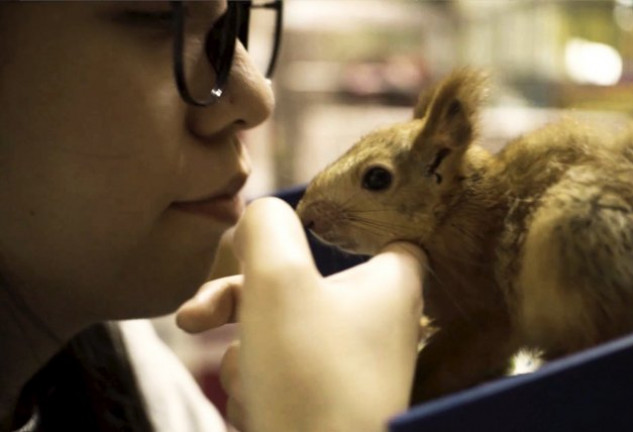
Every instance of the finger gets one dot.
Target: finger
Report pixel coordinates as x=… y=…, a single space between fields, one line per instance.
x=271 y=242
x=399 y=268
x=399 y=265
x=402 y=258
x=235 y=414
x=214 y=305
x=229 y=372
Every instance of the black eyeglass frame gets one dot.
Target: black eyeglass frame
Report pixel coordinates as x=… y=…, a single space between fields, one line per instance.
x=220 y=43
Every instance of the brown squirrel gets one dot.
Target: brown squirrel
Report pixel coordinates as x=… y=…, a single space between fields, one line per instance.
x=529 y=248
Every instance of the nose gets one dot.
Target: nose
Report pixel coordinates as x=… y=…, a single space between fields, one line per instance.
x=247 y=100
x=318 y=216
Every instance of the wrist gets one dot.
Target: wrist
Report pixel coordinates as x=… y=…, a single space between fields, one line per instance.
x=368 y=412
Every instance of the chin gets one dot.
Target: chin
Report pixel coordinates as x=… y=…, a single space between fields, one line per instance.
x=159 y=288
x=159 y=299
x=365 y=250
x=363 y=245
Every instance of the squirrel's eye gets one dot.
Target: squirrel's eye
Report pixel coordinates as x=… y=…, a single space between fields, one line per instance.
x=377 y=179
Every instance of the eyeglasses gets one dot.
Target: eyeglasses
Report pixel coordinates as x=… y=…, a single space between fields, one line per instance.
x=240 y=17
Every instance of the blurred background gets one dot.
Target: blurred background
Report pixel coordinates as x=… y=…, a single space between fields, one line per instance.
x=347 y=67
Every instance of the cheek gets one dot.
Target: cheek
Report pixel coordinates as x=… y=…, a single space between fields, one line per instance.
x=114 y=252
x=78 y=226
x=370 y=241
x=89 y=217
x=86 y=182
x=83 y=204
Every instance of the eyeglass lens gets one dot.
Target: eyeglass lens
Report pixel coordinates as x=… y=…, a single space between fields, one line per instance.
x=206 y=64
x=263 y=36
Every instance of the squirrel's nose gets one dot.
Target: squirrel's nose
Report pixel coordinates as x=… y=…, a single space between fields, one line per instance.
x=316 y=216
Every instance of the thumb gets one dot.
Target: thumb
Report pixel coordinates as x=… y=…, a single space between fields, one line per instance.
x=270 y=241
x=404 y=257
x=399 y=265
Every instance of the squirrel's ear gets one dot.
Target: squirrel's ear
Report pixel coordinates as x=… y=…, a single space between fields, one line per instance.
x=424 y=100
x=449 y=115
x=450 y=111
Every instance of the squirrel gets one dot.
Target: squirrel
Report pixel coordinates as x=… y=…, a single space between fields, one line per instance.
x=528 y=248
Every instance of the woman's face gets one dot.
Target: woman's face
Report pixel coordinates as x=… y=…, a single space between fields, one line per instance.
x=100 y=160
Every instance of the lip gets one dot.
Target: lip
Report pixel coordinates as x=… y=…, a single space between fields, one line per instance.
x=225 y=205
x=226 y=208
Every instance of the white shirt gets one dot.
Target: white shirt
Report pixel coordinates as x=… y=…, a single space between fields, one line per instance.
x=173 y=398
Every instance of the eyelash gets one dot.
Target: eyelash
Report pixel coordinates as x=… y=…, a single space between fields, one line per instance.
x=159 y=18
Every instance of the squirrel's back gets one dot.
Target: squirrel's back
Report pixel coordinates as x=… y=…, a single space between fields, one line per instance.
x=533 y=162
x=565 y=250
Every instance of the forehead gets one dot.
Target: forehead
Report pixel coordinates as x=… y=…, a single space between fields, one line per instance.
x=391 y=139
x=70 y=9
x=380 y=145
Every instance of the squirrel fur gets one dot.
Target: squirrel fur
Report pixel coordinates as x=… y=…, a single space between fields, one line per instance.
x=531 y=247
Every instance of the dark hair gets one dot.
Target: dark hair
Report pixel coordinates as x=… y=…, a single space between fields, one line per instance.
x=88 y=386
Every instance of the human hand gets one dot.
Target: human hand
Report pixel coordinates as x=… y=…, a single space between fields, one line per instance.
x=316 y=354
